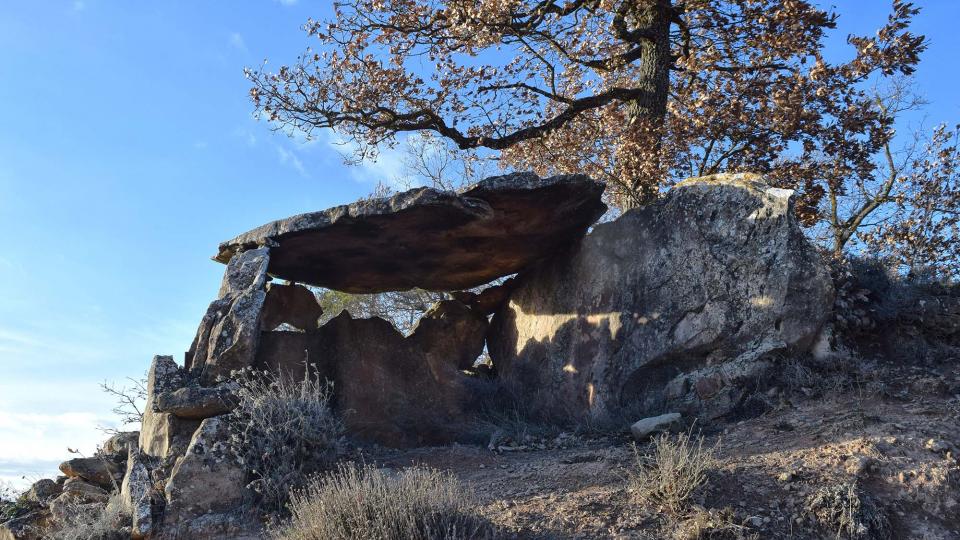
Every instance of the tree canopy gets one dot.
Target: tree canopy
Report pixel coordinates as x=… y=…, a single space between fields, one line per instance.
x=637 y=93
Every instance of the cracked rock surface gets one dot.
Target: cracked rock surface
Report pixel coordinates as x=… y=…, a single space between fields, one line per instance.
x=427 y=238
x=670 y=307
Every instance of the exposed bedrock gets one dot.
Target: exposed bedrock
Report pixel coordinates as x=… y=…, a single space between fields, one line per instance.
x=672 y=306
x=429 y=239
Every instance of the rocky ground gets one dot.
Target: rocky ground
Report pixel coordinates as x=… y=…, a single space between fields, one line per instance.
x=892 y=431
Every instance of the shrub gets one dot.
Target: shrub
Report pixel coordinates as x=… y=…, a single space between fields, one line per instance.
x=282 y=431
x=14 y=503
x=842 y=509
x=675 y=469
x=358 y=503
x=9 y=502
x=913 y=317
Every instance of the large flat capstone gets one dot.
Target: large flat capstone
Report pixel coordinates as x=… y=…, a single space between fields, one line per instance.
x=427 y=238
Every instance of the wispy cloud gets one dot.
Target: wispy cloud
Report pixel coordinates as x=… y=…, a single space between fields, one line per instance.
x=289 y=157
x=66 y=344
x=79 y=5
x=37 y=348
x=49 y=367
x=236 y=41
x=287 y=2
x=388 y=167
x=247 y=136
x=33 y=444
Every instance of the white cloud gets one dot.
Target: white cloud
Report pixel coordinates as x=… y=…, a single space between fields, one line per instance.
x=33 y=444
x=236 y=41
x=38 y=348
x=288 y=157
x=79 y=5
x=27 y=437
x=388 y=167
x=287 y=2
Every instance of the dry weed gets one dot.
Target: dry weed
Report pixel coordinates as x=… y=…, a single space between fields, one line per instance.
x=359 y=503
x=282 y=431
x=711 y=524
x=675 y=469
x=93 y=521
x=843 y=509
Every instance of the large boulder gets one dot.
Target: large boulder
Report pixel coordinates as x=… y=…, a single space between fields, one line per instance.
x=162 y=434
x=30 y=526
x=101 y=472
x=118 y=444
x=673 y=306
x=198 y=402
x=207 y=485
x=227 y=337
x=396 y=390
x=78 y=489
x=430 y=239
x=43 y=490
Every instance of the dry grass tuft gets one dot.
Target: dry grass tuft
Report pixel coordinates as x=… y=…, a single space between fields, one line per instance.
x=674 y=470
x=94 y=521
x=841 y=508
x=283 y=431
x=711 y=524
x=358 y=503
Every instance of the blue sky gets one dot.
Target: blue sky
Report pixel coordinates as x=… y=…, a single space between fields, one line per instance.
x=128 y=151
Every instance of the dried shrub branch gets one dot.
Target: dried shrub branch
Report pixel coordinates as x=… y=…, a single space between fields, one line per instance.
x=675 y=469
x=282 y=431
x=361 y=502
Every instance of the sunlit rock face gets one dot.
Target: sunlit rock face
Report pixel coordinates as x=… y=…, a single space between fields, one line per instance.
x=675 y=305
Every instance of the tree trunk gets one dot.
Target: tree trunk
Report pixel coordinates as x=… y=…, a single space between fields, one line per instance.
x=648 y=114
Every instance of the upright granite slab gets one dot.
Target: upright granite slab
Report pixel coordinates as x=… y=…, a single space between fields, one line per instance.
x=675 y=306
x=228 y=334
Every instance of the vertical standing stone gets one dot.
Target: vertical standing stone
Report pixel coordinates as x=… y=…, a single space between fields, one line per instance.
x=135 y=494
x=163 y=435
x=228 y=334
x=672 y=306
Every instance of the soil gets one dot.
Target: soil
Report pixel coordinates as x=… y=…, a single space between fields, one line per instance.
x=892 y=431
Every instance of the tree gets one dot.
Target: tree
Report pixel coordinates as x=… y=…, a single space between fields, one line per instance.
x=589 y=81
x=638 y=93
x=401 y=308
x=921 y=234
x=130 y=402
